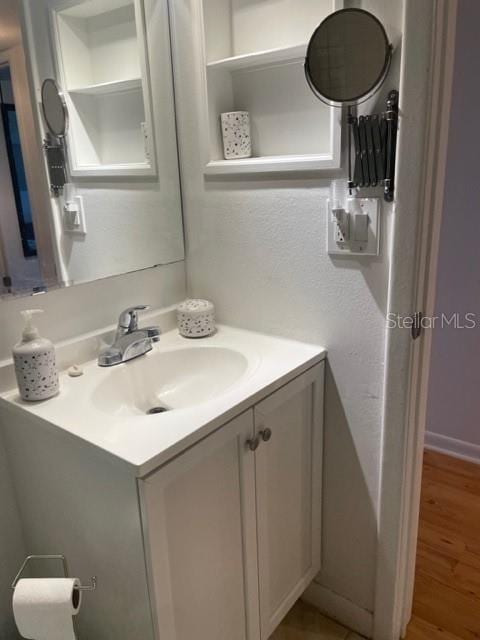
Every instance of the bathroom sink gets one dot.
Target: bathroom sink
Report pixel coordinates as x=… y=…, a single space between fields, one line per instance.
x=170 y=379
x=192 y=386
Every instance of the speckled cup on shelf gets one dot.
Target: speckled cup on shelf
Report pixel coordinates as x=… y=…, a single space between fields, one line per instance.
x=196 y=318
x=237 y=141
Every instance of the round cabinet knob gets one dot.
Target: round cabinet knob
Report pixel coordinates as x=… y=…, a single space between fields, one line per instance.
x=253 y=443
x=266 y=434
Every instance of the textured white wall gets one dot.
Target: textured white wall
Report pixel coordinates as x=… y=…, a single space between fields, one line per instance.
x=259 y=253
x=257 y=247
x=454 y=401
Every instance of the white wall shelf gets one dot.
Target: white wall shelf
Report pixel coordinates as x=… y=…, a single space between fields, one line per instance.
x=262 y=58
x=102 y=65
x=117 y=86
x=266 y=164
x=248 y=66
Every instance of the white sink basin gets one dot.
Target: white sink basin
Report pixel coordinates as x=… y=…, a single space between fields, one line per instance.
x=175 y=379
x=203 y=384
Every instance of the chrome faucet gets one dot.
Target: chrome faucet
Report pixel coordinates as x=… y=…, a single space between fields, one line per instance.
x=130 y=341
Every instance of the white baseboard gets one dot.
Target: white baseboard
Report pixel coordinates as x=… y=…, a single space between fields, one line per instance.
x=340 y=609
x=452 y=447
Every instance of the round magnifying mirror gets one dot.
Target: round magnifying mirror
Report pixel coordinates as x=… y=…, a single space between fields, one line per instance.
x=54 y=109
x=348 y=57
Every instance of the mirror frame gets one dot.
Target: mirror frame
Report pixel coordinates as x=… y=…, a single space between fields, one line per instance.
x=331 y=102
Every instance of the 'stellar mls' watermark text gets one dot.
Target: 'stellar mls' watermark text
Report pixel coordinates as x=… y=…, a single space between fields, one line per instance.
x=442 y=321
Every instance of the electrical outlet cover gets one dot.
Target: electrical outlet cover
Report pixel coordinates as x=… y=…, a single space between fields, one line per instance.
x=362 y=206
x=74 y=217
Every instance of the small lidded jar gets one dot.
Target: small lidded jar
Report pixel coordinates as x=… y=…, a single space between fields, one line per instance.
x=196 y=318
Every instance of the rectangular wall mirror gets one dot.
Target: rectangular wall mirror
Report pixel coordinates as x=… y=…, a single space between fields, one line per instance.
x=120 y=210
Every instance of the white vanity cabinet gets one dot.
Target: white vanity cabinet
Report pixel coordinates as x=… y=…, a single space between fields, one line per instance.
x=232 y=525
x=199 y=522
x=200 y=528
x=288 y=494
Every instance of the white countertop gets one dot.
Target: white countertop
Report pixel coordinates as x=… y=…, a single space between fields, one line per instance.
x=144 y=442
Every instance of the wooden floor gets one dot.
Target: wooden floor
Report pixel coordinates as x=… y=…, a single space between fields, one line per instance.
x=447 y=586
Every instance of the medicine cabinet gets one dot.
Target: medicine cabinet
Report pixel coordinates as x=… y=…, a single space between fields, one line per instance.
x=253 y=52
x=102 y=63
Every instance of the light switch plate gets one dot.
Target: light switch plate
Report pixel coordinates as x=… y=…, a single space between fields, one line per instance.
x=360 y=206
x=74 y=216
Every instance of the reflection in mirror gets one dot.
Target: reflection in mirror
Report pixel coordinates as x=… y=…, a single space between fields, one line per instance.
x=120 y=209
x=54 y=108
x=348 y=57
x=19 y=264
x=56 y=118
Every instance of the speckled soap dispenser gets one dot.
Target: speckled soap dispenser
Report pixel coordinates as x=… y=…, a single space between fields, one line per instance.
x=35 y=363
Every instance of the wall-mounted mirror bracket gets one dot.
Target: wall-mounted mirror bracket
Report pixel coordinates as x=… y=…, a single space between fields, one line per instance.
x=56 y=163
x=55 y=114
x=374 y=144
x=348 y=59
x=392 y=126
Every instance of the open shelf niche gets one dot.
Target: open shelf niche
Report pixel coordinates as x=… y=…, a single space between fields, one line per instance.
x=254 y=53
x=101 y=55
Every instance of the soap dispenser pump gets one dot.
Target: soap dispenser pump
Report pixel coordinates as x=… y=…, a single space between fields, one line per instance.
x=35 y=362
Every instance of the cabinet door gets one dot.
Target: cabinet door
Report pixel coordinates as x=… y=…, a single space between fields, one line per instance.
x=200 y=534
x=288 y=484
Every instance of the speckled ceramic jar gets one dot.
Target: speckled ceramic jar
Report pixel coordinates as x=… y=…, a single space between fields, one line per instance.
x=236 y=135
x=196 y=318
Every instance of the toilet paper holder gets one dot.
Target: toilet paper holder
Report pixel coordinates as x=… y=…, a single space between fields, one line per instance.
x=90 y=587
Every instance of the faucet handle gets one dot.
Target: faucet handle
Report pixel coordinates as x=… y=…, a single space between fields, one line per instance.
x=128 y=319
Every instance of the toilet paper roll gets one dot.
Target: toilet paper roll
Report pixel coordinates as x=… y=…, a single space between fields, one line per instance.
x=43 y=607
